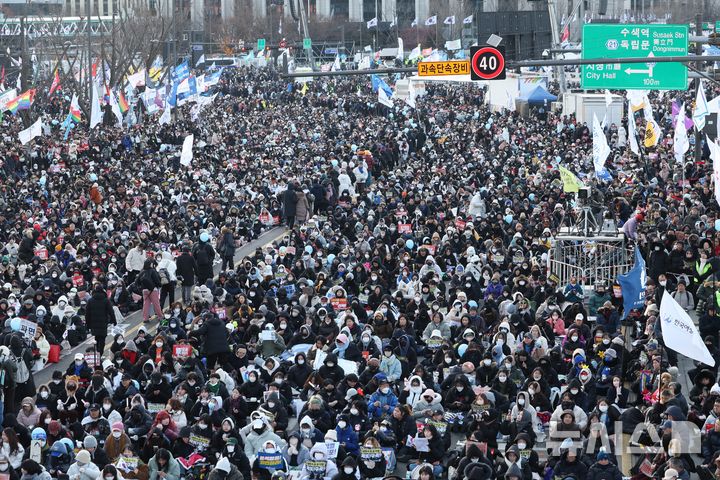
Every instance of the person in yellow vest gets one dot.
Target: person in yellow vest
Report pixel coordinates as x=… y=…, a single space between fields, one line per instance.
x=702 y=272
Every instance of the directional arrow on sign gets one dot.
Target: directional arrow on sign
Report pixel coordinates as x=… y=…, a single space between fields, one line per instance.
x=649 y=70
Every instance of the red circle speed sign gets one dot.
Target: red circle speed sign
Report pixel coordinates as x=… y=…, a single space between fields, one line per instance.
x=487 y=63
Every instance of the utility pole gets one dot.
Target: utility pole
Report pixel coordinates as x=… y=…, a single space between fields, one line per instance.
x=88 y=11
x=175 y=33
x=555 y=31
x=24 y=83
x=698 y=51
x=306 y=32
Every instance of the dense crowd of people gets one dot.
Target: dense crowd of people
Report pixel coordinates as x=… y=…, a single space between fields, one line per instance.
x=405 y=319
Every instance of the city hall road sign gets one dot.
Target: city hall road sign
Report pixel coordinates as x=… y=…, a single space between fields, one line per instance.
x=626 y=41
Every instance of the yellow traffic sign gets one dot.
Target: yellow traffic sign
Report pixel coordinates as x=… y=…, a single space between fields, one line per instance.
x=452 y=67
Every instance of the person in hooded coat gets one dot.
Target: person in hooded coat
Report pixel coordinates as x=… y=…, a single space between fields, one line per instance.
x=289 y=202
x=98 y=315
x=472 y=456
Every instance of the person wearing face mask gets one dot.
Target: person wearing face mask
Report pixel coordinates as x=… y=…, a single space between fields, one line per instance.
x=277 y=407
x=98 y=455
x=319 y=466
x=232 y=451
x=258 y=436
x=331 y=370
x=383 y=401
x=295 y=453
x=390 y=365
x=83 y=468
x=567 y=403
x=29 y=413
x=348 y=470
x=99 y=315
x=347 y=436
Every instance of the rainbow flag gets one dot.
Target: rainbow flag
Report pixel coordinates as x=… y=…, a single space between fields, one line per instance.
x=75 y=112
x=122 y=101
x=22 y=102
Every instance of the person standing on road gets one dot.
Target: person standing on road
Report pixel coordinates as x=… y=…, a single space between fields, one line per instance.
x=186 y=269
x=149 y=281
x=204 y=255
x=98 y=315
x=289 y=201
x=167 y=270
x=215 y=339
x=226 y=247
x=134 y=261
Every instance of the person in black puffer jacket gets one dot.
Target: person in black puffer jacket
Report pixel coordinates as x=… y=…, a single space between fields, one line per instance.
x=215 y=339
x=98 y=315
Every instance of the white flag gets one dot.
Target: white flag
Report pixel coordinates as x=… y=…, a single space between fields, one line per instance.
x=415 y=53
x=115 y=107
x=34 y=130
x=184 y=86
x=187 y=153
x=468 y=20
x=384 y=99
x=201 y=61
x=715 y=156
x=137 y=78
x=608 y=98
x=680 y=139
x=453 y=44
x=431 y=21
x=414 y=23
x=372 y=23
x=401 y=49
x=601 y=149
x=680 y=333
x=632 y=133
x=412 y=94
x=701 y=109
x=95 y=110
x=336 y=64
x=165 y=117
x=450 y=20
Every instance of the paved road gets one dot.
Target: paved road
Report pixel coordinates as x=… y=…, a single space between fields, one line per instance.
x=134 y=320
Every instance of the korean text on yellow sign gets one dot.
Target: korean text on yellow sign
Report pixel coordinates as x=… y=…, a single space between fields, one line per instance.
x=453 y=67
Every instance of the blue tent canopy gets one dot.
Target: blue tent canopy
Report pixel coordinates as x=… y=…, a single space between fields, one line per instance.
x=539 y=95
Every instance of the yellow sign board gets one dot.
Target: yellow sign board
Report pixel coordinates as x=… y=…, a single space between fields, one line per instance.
x=452 y=67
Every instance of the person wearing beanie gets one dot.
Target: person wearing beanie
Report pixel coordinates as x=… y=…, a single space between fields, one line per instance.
x=225 y=470
x=603 y=468
x=83 y=468
x=98 y=455
x=117 y=441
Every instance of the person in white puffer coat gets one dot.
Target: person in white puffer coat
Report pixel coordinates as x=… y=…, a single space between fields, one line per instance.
x=345 y=183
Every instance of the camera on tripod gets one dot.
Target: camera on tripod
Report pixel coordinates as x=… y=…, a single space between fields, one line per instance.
x=583 y=195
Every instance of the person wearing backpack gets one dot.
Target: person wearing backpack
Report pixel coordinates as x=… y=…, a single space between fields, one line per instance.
x=98 y=315
x=149 y=282
x=167 y=270
x=204 y=255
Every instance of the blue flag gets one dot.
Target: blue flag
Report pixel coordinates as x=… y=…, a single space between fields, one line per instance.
x=182 y=71
x=378 y=82
x=632 y=284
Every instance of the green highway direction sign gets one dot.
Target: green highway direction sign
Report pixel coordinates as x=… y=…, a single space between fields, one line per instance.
x=627 y=41
x=261 y=44
x=307 y=43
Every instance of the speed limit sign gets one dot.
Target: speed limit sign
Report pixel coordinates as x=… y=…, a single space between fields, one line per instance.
x=487 y=63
